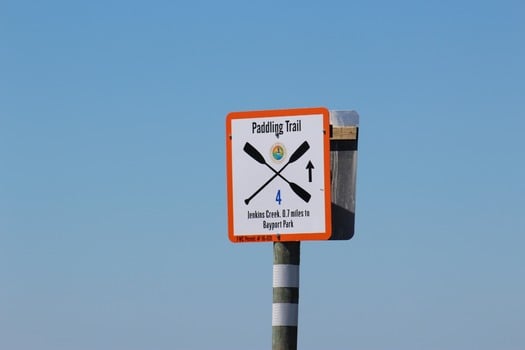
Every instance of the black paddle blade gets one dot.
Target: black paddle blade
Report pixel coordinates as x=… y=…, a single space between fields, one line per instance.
x=255 y=154
x=305 y=196
x=299 y=152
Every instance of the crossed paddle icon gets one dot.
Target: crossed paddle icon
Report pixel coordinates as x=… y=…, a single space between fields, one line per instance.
x=298 y=190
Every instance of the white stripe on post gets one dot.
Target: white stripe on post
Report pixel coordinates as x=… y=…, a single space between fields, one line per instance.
x=285 y=275
x=284 y=314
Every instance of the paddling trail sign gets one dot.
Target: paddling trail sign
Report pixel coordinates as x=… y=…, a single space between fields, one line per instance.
x=278 y=175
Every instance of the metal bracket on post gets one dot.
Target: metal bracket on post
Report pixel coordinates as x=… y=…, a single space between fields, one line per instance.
x=344 y=133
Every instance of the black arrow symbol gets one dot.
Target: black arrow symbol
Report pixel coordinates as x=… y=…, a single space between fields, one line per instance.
x=310 y=166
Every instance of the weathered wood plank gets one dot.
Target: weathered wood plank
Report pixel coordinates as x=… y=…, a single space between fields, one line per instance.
x=344 y=133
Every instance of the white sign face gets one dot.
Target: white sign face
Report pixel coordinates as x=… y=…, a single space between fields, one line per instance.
x=278 y=175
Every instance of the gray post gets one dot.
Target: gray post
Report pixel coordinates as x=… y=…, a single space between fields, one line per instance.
x=343 y=166
x=286 y=258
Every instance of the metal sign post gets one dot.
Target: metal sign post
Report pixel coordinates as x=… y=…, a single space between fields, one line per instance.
x=291 y=176
x=285 y=307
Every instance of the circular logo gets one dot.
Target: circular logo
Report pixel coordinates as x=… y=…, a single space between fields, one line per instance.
x=278 y=152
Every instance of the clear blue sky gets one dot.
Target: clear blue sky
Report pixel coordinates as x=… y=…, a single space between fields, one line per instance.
x=112 y=173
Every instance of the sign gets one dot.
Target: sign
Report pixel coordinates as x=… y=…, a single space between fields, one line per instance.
x=278 y=175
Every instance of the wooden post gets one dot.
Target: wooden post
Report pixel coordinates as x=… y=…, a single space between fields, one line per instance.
x=286 y=255
x=286 y=259
x=343 y=165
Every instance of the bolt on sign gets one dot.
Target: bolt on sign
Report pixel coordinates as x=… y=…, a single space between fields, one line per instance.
x=278 y=175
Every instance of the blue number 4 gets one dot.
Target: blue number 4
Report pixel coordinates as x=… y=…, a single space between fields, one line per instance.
x=278 y=197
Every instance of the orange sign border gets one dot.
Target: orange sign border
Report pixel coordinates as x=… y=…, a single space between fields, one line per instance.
x=285 y=237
